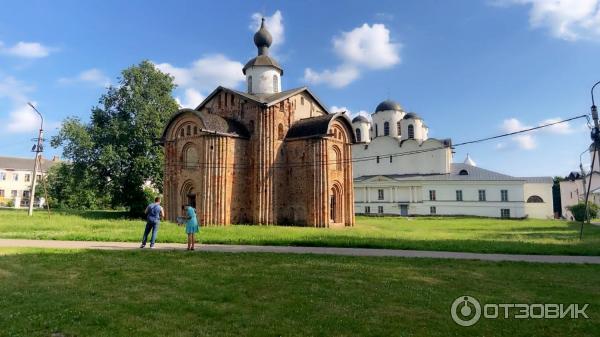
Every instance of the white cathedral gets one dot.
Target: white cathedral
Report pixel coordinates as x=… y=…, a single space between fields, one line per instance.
x=399 y=170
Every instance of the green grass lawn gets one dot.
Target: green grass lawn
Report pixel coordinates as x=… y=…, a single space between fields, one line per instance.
x=450 y=234
x=154 y=293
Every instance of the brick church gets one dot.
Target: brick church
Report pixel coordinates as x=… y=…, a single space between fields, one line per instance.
x=264 y=156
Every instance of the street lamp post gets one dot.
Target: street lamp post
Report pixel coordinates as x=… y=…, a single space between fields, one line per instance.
x=36 y=161
x=595 y=134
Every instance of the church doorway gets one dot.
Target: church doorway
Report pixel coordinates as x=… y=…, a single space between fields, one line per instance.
x=188 y=194
x=335 y=204
x=191 y=199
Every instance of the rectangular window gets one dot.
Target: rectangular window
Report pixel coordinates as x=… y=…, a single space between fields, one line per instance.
x=39 y=177
x=26 y=194
x=367 y=209
x=13 y=193
x=1 y=193
x=377 y=159
x=379 y=194
x=432 y=210
x=481 y=195
x=15 y=176
x=2 y=176
x=380 y=209
x=432 y=195
x=504 y=195
x=459 y=195
x=505 y=213
x=27 y=178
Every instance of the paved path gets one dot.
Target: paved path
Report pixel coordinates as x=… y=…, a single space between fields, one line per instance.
x=303 y=250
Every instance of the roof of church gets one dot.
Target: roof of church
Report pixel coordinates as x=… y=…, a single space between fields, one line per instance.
x=262 y=60
x=317 y=126
x=213 y=123
x=262 y=40
x=360 y=118
x=412 y=115
x=474 y=174
x=388 y=104
x=265 y=99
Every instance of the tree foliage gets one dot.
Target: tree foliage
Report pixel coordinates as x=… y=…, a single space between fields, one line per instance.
x=579 y=211
x=116 y=152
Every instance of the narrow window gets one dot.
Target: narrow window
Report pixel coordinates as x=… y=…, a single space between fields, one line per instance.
x=376 y=131
x=380 y=194
x=432 y=210
x=281 y=106
x=337 y=158
x=386 y=129
x=232 y=99
x=411 y=132
x=380 y=209
x=505 y=213
x=398 y=128
x=504 y=195
x=481 y=195
x=189 y=130
x=195 y=130
x=377 y=159
x=275 y=84
x=16 y=176
x=432 y=195
x=391 y=159
x=280 y=131
x=367 y=209
x=27 y=177
x=1 y=193
x=459 y=195
x=358 y=135
x=182 y=133
x=251 y=127
x=249 y=84
x=301 y=100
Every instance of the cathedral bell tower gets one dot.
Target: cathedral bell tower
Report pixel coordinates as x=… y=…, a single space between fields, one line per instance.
x=263 y=73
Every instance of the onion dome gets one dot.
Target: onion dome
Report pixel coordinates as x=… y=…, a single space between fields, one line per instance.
x=360 y=119
x=412 y=115
x=388 y=105
x=469 y=161
x=263 y=40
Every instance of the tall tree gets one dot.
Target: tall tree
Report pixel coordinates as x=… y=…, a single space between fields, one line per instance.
x=117 y=147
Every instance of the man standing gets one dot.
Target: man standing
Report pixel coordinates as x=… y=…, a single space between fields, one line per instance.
x=154 y=212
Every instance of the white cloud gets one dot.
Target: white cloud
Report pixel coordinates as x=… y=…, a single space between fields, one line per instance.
x=274 y=24
x=26 y=50
x=524 y=141
x=192 y=98
x=363 y=48
x=350 y=114
x=206 y=73
x=566 y=19
x=93 y=76
x=562 y=128
x=23 y=119
x=14 y=90
x=527 y=141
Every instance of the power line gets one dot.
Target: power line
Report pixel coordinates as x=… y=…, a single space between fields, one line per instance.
x=178 y=164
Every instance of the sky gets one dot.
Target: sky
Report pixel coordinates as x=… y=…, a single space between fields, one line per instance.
x=471 y=69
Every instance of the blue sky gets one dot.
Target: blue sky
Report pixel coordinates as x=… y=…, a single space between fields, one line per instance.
x=471 y=69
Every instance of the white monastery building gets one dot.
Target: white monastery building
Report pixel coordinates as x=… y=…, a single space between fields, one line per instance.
x=574 y=187
x=399 y=170
x=15 y=180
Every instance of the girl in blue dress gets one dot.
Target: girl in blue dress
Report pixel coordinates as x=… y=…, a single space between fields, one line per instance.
x=191 y=225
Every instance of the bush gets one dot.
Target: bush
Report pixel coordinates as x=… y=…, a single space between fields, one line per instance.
x=579 y=211
x=10 y=203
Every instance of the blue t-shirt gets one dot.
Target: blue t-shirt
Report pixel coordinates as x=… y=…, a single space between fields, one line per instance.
x=154 y=212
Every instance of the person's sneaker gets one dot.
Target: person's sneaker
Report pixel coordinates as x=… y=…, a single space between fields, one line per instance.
x=151 y=247
x=142 y=246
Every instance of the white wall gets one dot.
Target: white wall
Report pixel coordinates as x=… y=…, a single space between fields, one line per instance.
x=435 y=161
x=539 y=210
x=262 y=79
x=390 y=116
x=364 y=131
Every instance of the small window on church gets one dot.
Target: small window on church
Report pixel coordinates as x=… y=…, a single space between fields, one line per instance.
x=232 y=99
x=275 y=84
x=376 y=131
x=411 y=132
x=463 y=173
x=182 y=133
x=337 y=158
x=189 y=130
x=281 y=106
x=280 y=131
x=386 y=129
x=358 y=135
x=251 y=127
x=398 y=128
x=249 y=84
x=301 y=100
x=195 y=130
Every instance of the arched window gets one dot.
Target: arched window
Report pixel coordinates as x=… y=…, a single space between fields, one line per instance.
x=275 y=83
x=190 y=156
x=411 y=132
x=182 y=133
x=337 y=158
x=463 y=173
x=189 y=130
x=535 y=199
x=195 y=130
x=386 y=129
x=376 y=131
x=280 y=131
x=358 y=135
x=249 y=84
x=398 y=128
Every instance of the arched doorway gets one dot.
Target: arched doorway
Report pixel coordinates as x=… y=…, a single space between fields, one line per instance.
x=188 y=194
x=336 y=203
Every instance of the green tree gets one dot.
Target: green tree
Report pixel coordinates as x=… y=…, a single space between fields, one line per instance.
x=579 y=211
x=116 y=150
